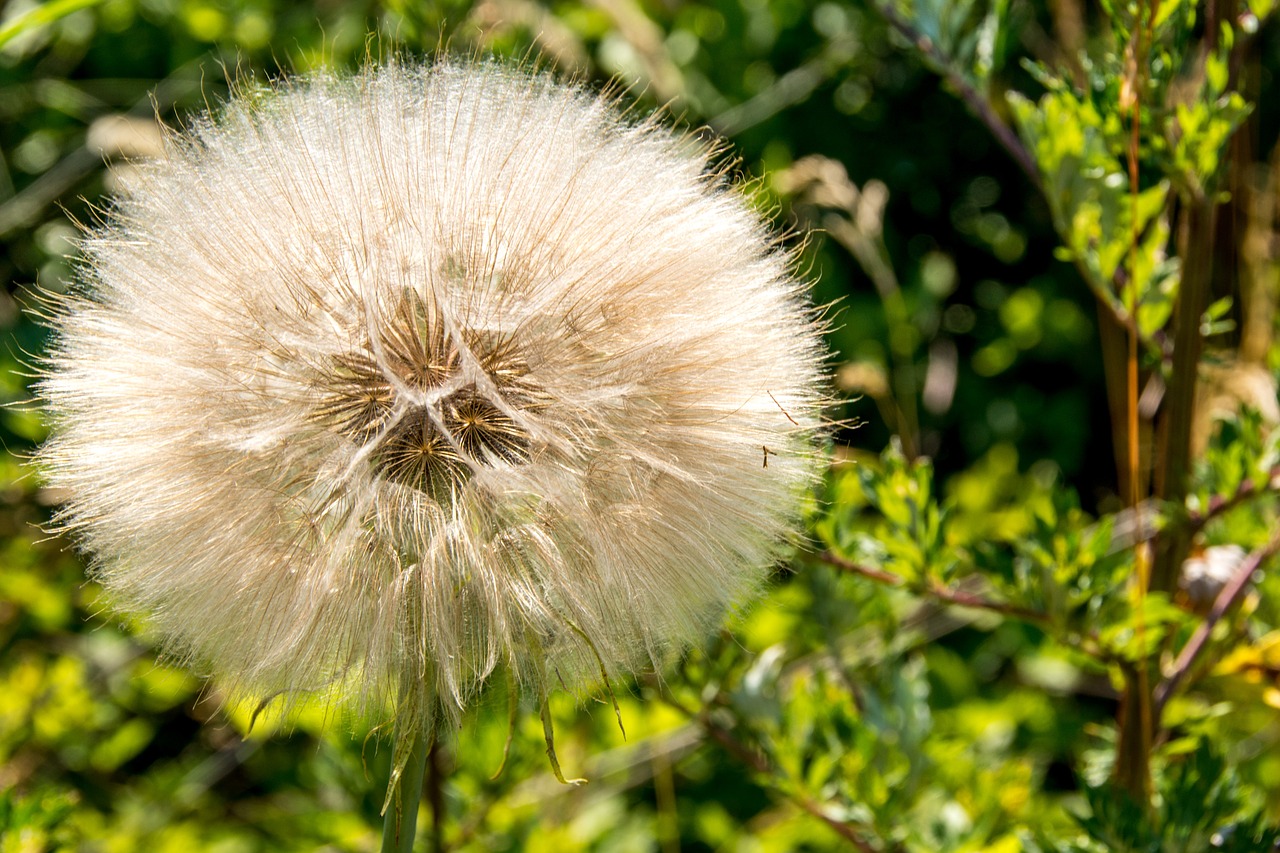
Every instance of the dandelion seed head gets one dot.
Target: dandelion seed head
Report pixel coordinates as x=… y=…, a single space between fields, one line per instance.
x=425 y=375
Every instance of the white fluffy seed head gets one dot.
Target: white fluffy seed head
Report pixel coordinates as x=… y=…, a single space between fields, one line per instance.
x=391 y=383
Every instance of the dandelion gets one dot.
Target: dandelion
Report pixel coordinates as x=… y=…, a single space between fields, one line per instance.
x=381 y=388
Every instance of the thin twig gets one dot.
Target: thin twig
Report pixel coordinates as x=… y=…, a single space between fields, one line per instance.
x=789 y=89
x=1135 y=727
x=1220 y=505
x=957 y=597
x=1227 y=599
x=753 y=759
x=975 y=100
x=980 y=105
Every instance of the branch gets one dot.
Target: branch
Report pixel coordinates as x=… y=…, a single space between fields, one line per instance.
x=1220 y=505
x=980 y=105
x=1135 y=525
x=975 y=100
x=1227 y=599
x=958 y=597
x=760 y=764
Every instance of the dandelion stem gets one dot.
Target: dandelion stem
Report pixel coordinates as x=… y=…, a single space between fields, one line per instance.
x=400 y=824
x=436 y=771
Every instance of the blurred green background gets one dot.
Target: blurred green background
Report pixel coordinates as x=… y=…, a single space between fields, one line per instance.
x=983 y=355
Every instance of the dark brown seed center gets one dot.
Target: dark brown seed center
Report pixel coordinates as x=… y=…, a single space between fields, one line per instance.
x=432 y=450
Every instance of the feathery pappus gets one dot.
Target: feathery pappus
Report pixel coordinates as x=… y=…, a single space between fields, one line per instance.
x=379 y=386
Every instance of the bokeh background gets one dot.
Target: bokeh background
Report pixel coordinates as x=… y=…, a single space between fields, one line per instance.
x=954 y=327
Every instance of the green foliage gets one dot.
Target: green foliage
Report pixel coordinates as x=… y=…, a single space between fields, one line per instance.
x=1200 y=808
x=33 y=821
x=1094 y=211
x=950 y=664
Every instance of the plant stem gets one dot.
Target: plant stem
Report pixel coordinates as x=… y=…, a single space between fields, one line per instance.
x=752 y=758
x=1227 y=599
x=977 y=102
x=980 y=104
x=400 y=824
x=1179 y=404
x=1136 y=725
x=435 y=793
x=1220 y=505
x=958 y=597
x=872 y=255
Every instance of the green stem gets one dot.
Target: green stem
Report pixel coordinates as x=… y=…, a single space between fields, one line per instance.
x=435 y=794
x=41 y=16
x=400 y=824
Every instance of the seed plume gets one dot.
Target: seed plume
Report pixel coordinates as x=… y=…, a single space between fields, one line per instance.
x=389 y=387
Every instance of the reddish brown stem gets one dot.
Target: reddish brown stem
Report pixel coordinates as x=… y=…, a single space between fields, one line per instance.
x=975 y=100
x=958 y=597
x=1226 y=601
